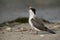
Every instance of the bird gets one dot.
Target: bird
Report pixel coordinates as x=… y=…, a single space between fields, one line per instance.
x=36 y=23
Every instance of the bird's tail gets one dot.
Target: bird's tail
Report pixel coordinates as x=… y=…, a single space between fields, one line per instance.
x=50 y=31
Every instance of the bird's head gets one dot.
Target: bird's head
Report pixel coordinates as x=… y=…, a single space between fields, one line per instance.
x=31 y=9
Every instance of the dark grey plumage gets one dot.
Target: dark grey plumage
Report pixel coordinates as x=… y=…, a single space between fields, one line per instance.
x=37 y=23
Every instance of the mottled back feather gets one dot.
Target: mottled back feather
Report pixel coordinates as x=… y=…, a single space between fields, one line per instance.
x=38 y=24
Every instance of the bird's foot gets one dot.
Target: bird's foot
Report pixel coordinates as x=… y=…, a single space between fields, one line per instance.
x=36 y=33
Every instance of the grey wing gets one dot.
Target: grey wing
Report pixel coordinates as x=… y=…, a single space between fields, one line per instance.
x=38 y=24
x=38 y=19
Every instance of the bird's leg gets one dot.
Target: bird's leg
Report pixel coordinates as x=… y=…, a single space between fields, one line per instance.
x=37 y=32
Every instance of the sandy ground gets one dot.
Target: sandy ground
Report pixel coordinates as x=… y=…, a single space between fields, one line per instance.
x=24 y=32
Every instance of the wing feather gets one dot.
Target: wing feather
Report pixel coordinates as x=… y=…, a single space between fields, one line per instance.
x=38 y=24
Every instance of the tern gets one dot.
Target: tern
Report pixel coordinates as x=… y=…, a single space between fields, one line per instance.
x=36 y=23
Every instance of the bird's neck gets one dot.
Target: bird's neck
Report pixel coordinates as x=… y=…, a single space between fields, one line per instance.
x=31 y=14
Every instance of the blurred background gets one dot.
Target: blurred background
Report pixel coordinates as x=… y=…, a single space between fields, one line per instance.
x=12 y=9
x=14 y=19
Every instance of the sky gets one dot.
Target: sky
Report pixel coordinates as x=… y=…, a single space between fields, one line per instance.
x=12 y=9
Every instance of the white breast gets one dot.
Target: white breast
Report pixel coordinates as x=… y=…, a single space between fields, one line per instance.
x=30 y=22
x=32 y=15
x=32 y=26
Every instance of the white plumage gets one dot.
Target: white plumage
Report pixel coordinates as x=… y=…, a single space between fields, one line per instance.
x=32 y=15
x=36 y=23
